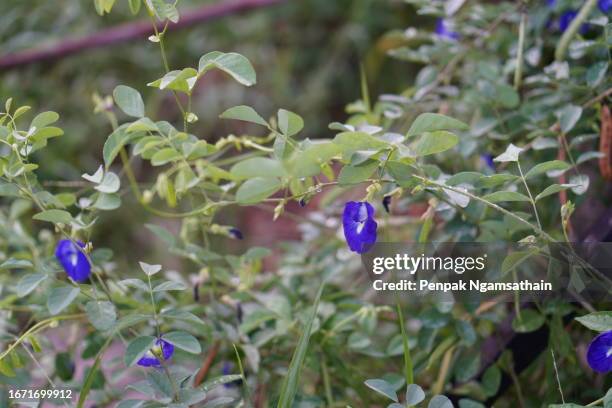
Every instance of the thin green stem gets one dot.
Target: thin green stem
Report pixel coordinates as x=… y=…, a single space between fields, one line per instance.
x=533 y=204
x=38 y=327
x=326 y=382
x=408 y=365
x=573 y=28
x=518 y=72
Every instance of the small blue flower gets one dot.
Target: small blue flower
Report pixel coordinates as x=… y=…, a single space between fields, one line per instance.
x=73 y=260
x=551 y=3
x=386 y=202
x=443 y=31
x=487 y=159
x=605 y=6
x=566 y=19
x=359 y=226
x=599 y=354
x=236 y=233
x=151 y=357
x=228 y=369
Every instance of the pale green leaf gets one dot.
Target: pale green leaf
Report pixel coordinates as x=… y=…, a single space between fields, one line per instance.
x=129 y=101
x=244 y=113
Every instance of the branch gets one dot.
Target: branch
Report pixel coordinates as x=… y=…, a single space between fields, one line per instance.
x=127 y=32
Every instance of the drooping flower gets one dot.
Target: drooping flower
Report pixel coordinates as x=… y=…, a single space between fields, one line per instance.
x=161 y=349
x=359 y=226
x=443 y=30
x=605 y=6
x=599 y=353
x=235 y=233
x=73 y=260
x=386 y=202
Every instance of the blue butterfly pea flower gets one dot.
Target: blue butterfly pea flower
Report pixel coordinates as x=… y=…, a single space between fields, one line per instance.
x=599 y=353
x=73 y=260
x=443 y=31
x=566 y=19
x=605 y=6
x=386 y=202
x=487 y=159
x=161 y=349
x=359 y=226
x=228 y=369
x=236 y=233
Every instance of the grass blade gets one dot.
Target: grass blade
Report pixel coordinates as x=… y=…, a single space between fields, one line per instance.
x=91 y=375
x=290 y=384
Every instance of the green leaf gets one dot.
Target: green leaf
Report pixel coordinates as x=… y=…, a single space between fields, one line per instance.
x=491 y=380
x=96 y=177
x=142 y=125
x=440 y=401
x=499 y=196
x=169 y=285
x=107 y=202
x=357 y=174
x=351 y=142
x=44 y=119
x=137 y=348
x=54 y=216
x=61 y=297
x=165 y=155
x=225 y=379
x=507 y=96
x=545 y=167
x=289 y=123
x=598 y=321
x=101 y=314
x=244 y=113
x=414 y=394
x=495 y=180
x=292 y=379
x=510 y=155
x=181 y=81
x=13 y=263
x=382 y=387
x=596 y=73
x=232 y=63
x=258 y=167
x=568 y=117
x=514 y=259
x=29 y=282
x=184 y=341
x=529 y=320
x=257 y=189
x=6 y=369
x=431 y=122
x=308 y=162
x=115 y=142
x=149 y=270
x=435 y=142
x=552 y=189
x=110 y=183
x=129 y=101
x=135 y=6
x=163 y=10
